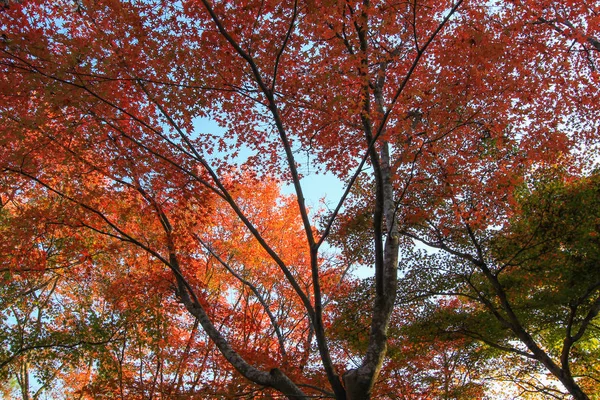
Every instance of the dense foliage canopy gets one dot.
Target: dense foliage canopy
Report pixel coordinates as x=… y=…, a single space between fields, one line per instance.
x=147 y=249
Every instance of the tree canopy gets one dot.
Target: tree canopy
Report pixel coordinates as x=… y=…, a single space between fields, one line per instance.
x=144 y=254
x=536 y=283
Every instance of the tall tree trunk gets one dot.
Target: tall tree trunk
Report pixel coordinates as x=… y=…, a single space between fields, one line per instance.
x=359 y=382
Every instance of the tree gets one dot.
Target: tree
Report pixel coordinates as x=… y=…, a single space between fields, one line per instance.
x=439 y=110
x=535 y=292
x=119 y=333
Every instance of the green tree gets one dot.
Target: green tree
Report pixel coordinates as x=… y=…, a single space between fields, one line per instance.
x=533 y=287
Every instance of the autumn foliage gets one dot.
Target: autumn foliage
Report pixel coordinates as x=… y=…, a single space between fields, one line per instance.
x=150 y=247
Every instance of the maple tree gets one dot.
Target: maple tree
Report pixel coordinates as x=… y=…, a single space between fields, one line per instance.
x=533 y=290
x=432 y=113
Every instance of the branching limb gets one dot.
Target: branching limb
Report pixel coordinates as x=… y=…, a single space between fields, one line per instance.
x=254 y=290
